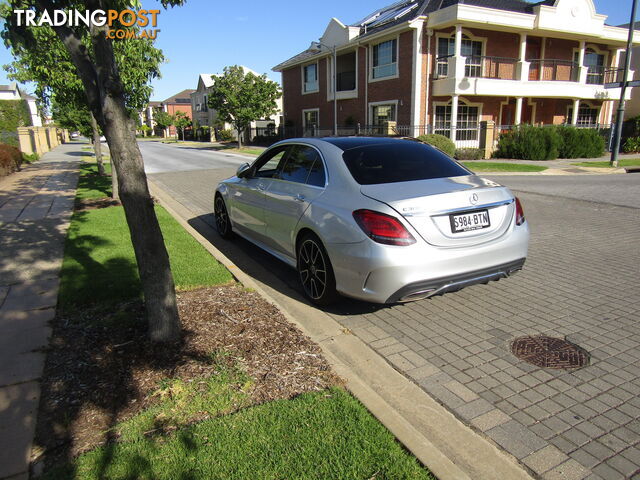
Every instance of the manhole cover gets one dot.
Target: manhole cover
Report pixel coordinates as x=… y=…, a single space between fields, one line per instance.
x=549 y=352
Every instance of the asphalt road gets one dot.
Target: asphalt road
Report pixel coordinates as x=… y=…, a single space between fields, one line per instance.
x=580 y=283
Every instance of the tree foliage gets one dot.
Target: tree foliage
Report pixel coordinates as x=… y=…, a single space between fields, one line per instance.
x=163 y=119
x=181 y=121
x=240 y=98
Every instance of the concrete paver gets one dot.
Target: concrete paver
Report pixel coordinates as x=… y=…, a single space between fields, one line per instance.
x=35 y=208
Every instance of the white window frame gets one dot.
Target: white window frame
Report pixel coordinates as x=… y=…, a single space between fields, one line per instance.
x=302 y=71
x=597 y=108
x=448 y=36
x=467 y=103
x=372 y=105
x=604 y=53
x=343 y=94
x=371 y=67
x=304 y=119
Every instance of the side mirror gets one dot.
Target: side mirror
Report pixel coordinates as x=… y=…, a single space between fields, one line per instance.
x=243 y=170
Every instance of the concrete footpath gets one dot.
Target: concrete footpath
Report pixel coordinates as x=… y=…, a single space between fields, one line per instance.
x=35 y=208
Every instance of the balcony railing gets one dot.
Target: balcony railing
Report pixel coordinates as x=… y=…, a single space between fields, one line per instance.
x=502 y=68
x=613 y=75
x=553 y=70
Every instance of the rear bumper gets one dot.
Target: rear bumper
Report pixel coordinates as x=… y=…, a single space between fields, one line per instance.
x=438 y=286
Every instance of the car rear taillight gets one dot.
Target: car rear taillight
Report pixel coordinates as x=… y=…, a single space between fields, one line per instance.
x=383 y=228
x=519 y=212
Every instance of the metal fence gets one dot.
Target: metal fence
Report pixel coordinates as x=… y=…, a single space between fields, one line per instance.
x=464 y=135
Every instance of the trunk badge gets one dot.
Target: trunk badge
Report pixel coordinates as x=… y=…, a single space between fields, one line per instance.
x=473 y=199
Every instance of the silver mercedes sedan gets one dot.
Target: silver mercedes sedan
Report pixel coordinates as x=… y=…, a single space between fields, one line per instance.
x=379 y=219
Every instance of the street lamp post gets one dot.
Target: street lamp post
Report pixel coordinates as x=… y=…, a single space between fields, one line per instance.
x=334 y=82
x=625 y=74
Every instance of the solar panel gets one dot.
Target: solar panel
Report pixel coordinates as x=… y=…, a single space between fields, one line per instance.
x=385 y=13
x=393 y=14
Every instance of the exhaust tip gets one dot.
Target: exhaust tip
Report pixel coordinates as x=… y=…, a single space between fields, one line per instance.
x=419 y=295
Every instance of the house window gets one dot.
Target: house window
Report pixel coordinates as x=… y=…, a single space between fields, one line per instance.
x=385 y=61
x=467 y=127
x=595 y=66
x=310 y=74
x=205 y=107
x=346 y=72
x=470 y=49
x=310 y=122
x=383 y=113
x=587 y=115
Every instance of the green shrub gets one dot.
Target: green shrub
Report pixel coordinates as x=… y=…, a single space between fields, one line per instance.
x=30 y=158
x=469 y=153
x=530 y=143
x=632 y=145
x=10 y=159
x=224 y=135
x=440 y=142
x=580 y=142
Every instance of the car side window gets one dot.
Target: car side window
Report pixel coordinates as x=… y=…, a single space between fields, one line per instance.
x=272 y=163
x=303 y=164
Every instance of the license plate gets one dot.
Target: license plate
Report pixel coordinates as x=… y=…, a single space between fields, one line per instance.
x=465 y=222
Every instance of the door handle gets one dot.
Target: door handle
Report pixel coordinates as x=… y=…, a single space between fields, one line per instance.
x=299 y=197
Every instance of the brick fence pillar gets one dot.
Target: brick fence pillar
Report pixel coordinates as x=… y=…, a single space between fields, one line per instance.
x=487 y=135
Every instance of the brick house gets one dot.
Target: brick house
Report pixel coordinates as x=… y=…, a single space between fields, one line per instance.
x=444 y=66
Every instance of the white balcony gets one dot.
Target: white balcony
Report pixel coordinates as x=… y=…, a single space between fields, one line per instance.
x=508 y=77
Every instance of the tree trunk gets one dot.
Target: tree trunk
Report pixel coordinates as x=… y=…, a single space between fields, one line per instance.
x=239 y=138
x=105 y=97
x=148 y=243
x=97 y=147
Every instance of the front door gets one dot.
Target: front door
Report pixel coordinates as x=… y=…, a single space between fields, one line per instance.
x=300 y=181
x=247 y=200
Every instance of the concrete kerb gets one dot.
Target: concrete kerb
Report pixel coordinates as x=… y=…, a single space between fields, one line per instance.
x=450 y=449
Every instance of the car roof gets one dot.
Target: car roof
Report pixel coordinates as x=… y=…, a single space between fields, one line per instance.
x=347 y=143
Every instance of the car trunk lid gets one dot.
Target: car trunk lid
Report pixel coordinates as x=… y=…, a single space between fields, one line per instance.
x=450 y=212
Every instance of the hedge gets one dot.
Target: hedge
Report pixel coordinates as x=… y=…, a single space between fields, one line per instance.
x=10 y=159
x=440 y=142
x=527 y=142
x=14 y=114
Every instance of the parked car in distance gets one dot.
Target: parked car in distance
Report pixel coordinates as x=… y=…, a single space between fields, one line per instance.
x=74 y=135
x=379 y=219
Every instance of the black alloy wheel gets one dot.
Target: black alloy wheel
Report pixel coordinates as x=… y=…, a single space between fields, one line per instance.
x=223 y=223
x=315 y=270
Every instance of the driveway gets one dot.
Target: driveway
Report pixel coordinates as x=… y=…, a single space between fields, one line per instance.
x=580 y=283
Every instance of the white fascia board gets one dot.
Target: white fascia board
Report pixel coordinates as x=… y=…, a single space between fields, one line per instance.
x=620 y=34
x=480 y=15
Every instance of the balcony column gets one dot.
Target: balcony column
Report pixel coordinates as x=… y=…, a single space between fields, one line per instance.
x=582 y=70
x=518 y=119
x=574 y=115
x=458 y=59
x=454 y=117
x=522 y=68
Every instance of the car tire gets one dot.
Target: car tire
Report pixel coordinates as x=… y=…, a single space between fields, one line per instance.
x=315 y=271
x=223 y=222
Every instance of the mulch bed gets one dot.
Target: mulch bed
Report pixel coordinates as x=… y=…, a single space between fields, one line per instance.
x=101 y=369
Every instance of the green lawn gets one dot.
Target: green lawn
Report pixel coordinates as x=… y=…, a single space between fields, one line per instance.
x=502 y=167
x=631 y=162
x=90 y=184
x=323 y=435
x=99 y=262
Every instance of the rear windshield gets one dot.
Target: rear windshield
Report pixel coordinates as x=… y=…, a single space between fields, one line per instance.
x=399 y=162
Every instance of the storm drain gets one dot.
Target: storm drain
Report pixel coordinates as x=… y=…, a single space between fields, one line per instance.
x=549 y=352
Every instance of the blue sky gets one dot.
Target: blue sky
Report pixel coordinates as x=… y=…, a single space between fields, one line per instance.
x=204 y=36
